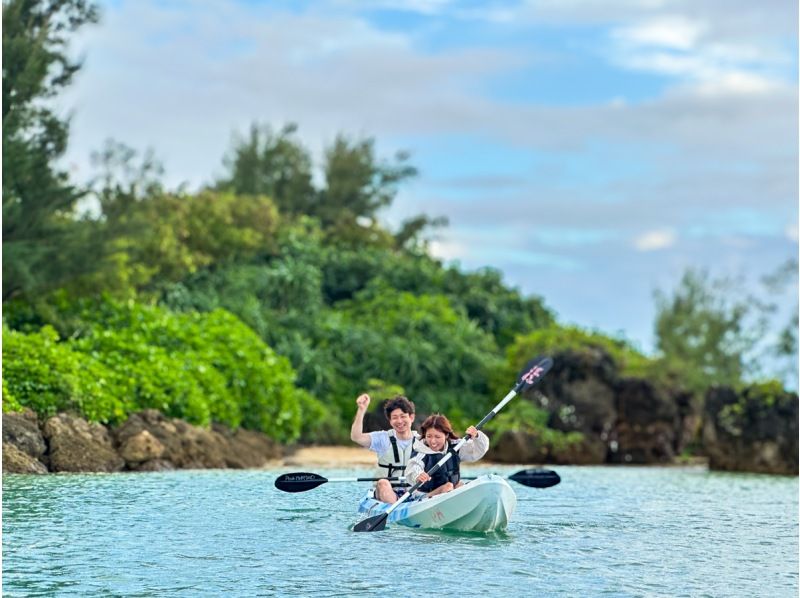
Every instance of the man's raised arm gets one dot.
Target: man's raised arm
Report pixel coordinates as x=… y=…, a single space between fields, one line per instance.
x=357 y=434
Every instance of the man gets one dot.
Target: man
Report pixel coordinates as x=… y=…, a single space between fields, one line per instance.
x=393 y=446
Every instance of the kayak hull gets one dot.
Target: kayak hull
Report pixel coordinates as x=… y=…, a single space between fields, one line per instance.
x=483 y=505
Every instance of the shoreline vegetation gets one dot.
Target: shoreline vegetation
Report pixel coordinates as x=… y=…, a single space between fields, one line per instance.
x=176 y=328
x=149 y=441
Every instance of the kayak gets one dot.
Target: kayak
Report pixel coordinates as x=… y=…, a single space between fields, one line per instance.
x=482 y=505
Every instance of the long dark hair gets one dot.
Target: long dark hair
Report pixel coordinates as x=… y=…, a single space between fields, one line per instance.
x=438 y=422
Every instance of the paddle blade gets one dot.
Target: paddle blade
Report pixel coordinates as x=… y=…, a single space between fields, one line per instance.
x=372 y=524
x=299 y=482
x=533 y=372
x=536 y=478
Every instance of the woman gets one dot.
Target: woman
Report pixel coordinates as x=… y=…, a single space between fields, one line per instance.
x=438 y=438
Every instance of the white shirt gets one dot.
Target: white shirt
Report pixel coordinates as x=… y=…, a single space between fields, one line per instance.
x=380 y=442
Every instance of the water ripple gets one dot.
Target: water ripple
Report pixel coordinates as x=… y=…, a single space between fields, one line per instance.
x=602 y=531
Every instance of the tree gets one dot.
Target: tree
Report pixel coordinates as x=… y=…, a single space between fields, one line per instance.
x=785 y=346
x=275 y=165
x=43 y=244
x=357 y=185
x=708 y=330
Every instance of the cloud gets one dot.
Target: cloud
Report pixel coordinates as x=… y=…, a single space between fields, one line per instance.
x=654 y=240
x=674 y=32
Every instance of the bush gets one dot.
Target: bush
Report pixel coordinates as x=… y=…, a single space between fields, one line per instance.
x=48 y=376
x=199 y=367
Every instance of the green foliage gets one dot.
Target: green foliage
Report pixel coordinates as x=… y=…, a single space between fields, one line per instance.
x=10 y=402
x=481 y=295
x=48 y=376
x=200 y=367
x=499 y=310
x=272 y=165
x=169 y=237
x=43 y=244
x=357 y=185
x=706 y=332
x=420 y=342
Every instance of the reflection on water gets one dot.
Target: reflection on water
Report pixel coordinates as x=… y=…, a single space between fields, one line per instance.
x=617 y=531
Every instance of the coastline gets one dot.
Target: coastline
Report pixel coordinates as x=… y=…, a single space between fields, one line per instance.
x=355 y=456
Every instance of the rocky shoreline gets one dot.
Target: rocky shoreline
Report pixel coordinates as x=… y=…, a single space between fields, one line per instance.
x=147 y=441
x=618 y=420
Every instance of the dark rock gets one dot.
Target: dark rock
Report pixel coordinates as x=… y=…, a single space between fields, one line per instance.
x=153 y=465
x=756 y=430
x=527 y=448
x=246 y=448
x=76 y=445
x=579 y=392
x=647 y=424
x=17 y=461
x=588 y=451
x=22 y=430
x=517 y=447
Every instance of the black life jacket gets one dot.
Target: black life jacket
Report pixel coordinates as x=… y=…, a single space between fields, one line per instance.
x=449 y=472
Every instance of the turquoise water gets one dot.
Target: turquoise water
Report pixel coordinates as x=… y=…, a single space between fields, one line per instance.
x=603 y=531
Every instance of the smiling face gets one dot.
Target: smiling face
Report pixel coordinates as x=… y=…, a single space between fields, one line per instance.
x=435 y=439
x=401 y=422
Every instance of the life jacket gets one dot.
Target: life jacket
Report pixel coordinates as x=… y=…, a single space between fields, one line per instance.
x=449 y=472
x=392 y=463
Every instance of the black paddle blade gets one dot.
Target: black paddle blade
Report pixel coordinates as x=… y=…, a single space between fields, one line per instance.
x=371 y=524
x=533 y=372
x=536 y=478
x=299 y=482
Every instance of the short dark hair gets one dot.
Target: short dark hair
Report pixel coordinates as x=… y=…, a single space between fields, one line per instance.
x=399 y=402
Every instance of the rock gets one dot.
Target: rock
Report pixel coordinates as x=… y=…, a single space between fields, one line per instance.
x=76 y=445
x=18 y=461
x=589 y=451
x=153 y=465
x=526 y=448
x=141 y=447
x=246 y=448
x=184 y=446
x=647 y=424
x=579 y=392
x=756 y=430
x=517 y=447
x=22 y=431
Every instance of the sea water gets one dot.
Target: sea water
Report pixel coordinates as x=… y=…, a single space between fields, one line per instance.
x=604 y=531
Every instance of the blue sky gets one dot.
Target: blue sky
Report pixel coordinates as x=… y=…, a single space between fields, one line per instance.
x=591 y=150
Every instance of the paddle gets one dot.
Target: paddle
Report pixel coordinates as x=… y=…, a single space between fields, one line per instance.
x=301 y=481
x=531 y=374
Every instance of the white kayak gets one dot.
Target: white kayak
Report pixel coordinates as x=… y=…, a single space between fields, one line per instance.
x=482 y=505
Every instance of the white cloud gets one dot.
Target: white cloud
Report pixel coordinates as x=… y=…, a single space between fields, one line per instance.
x=674 y=32
x=654 y=240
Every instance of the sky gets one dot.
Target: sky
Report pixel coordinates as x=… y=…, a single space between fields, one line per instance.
x=591 y=150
